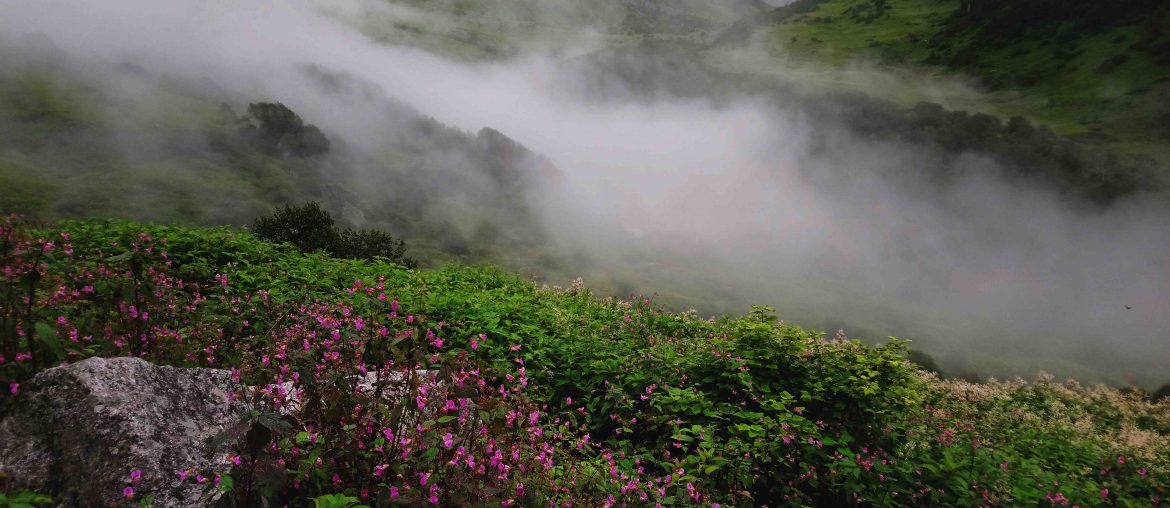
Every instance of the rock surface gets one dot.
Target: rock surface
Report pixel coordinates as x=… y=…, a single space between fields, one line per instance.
x=80 y=430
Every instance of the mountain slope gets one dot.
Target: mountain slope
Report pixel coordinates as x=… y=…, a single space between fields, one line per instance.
x=1098 y=72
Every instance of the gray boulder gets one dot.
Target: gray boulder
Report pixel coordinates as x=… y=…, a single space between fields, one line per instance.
x=78 y=431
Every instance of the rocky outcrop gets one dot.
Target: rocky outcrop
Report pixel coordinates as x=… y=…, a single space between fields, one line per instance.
x=81 y=430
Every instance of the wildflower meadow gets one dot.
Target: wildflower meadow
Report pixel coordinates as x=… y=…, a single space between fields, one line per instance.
x=374 y=384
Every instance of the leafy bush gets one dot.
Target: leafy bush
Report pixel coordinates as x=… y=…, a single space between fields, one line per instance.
x=310 y=228
x=307 y=227
x=368 y=243
x=1162 y=392
x=23 y=499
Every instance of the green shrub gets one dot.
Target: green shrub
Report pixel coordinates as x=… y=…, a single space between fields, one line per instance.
x=310 y=228
x=307 y=227
x=1161 y=393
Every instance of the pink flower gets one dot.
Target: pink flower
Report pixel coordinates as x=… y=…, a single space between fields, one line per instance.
x=448 y=440
x=393 y=492
x=379 y=470
x=1104 y=493
x=135 y=476
x=389 y=434
x=128 y=492
x=14 y=388
x=424 y=478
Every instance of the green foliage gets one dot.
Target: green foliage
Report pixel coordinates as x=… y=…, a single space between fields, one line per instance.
x=747 y=410
x=1162 y=392
x=276 y=129
x=370 y=243
x=1096 y=71
x=23 y=499
x=307 y=227
x=1085 y=170
x=337 y=501
x=310 y=228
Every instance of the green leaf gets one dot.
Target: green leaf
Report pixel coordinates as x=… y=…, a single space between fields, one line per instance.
x=335 y=501
x=119 y=258
x=47 y=335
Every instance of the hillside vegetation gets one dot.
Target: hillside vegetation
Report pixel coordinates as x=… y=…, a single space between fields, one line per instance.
x=71 y=149
x=1099 y=70
x=551 y=394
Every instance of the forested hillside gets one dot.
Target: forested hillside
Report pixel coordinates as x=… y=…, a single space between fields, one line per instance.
x=1099 y=71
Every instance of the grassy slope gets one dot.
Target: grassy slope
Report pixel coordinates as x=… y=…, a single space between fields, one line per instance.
x=60 y=157
x=1069 y=94
x=496 y=29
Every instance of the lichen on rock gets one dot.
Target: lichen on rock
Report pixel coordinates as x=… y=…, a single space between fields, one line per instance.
x=82 y=429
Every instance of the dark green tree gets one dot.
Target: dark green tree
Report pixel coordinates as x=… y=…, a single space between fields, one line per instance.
x=310 y=228
x=277 y=130
x=307 y=227
x=370 y=243
x=1161 y=393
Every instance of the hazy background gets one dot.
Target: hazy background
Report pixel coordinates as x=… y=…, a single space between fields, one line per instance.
x=655 y=178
